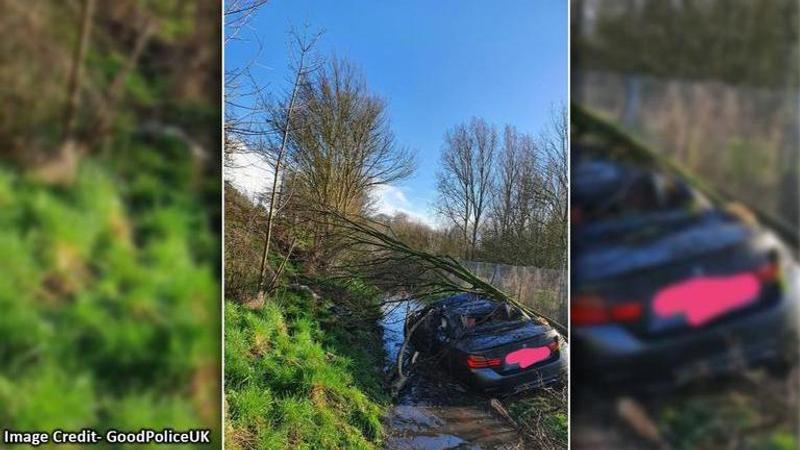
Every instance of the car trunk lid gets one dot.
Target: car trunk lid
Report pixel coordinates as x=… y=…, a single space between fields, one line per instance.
x=679 y=290
x=517 y=346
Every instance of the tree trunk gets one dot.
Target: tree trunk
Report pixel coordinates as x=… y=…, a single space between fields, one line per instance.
x=271 y=212
x=76 y=72
x=107 y=112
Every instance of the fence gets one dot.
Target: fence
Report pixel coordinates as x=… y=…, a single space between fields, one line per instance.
x=741 y=140
x=544 y=290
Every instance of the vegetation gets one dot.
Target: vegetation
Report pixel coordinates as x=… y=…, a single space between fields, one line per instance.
x=739 y=42
x=297 y=378
x=302 y=370
x=109 y=189
x=543 y=417
x=302 y=355
x=505 y=201
x=753 y=416
x=106 y=314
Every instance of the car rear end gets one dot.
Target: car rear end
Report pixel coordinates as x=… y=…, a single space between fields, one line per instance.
x=711 y=298
x=504 y=360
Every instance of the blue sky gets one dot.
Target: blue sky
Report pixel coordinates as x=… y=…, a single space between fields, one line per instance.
x=436 y=63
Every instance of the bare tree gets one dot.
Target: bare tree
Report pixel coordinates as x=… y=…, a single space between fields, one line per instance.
x=89 y=123
x=453 y=183
x=62 y=166
x=239 y=13
x=516 y=215
x=556 y=168
x=465 y=179
x=485 y=137
x=342 y=146
x=517 y=181
x=507 y=201
x=245 y=106
x=508 y=179
x=303 y=45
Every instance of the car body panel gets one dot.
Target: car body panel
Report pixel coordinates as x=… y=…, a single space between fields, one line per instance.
x=691 y=248
x=492 y=340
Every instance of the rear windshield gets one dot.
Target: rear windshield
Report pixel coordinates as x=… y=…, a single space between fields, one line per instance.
x=492 y=317
x=608 y=191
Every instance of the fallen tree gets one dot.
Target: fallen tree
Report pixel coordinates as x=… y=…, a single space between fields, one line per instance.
x=374 y=253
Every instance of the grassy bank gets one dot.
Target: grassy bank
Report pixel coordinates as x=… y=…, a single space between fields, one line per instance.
x=107 y=306
x=300 y=376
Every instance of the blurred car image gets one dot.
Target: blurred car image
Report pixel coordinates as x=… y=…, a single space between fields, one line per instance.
x=667 y=285
x=491 y=346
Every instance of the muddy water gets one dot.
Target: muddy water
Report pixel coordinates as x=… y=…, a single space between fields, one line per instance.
x=433 y=413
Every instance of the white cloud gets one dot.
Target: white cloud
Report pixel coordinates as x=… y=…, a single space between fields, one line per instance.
x=249 y=173
x=391 y=200
x=252 y=175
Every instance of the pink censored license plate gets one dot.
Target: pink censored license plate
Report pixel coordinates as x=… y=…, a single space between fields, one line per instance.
x=528 y=356
x=703 y=299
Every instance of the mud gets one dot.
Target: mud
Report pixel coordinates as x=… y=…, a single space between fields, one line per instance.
x=433 y=413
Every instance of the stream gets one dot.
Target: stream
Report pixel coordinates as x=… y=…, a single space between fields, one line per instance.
x=431 y=412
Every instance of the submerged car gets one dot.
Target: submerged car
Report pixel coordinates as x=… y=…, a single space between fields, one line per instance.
x=491 y=346
x=668 y=285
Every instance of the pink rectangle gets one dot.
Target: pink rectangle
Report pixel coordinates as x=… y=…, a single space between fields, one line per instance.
x=528 y=356
x=703 y=299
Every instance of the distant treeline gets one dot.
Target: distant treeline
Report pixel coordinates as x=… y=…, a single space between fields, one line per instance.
x=502 y=197
x=735 y=41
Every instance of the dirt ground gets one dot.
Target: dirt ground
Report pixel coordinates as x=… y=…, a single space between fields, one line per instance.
x=757 y=410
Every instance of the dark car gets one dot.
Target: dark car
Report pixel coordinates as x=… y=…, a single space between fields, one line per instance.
x=668 y=285
x=491 y=346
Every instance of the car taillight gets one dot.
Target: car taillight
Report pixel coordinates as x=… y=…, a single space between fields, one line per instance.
x=626 y=312
x=588 y=310
x=480 y=362
x=769 y=273
x=593 y=310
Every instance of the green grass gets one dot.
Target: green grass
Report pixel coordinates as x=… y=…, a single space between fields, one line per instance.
x=296 y=377
x=105 y=323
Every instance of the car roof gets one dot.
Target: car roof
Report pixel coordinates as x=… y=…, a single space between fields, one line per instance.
x=466 y=304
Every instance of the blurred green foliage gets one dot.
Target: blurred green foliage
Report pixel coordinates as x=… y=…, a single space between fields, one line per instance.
x=109 y=286
x=105 y=311
x=737 y=41
x=736 y=419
